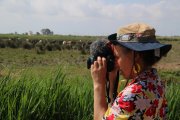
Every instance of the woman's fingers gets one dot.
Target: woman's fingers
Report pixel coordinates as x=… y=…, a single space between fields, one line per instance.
x=99 y=60
x=104 y=62
x=98 y=70
x=99 y=63
x=96 y=64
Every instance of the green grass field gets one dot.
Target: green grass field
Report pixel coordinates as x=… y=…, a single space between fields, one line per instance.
x=49 y=37
x=57 y=84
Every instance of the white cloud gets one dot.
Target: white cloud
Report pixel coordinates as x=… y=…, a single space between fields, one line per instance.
x=99 y=16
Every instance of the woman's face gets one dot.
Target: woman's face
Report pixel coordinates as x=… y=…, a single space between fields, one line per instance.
x=124 y=61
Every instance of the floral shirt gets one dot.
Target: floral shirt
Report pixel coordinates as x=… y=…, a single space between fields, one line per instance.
x=142 y=99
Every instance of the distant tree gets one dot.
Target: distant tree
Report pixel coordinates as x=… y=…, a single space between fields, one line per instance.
x=51 y=33
x=46 y=31
x=26 y=33
x=37 y=33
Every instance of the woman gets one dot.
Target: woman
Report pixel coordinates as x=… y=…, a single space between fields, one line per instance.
x=136 y=50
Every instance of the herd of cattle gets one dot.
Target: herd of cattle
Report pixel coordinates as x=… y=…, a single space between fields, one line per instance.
x=42 y=45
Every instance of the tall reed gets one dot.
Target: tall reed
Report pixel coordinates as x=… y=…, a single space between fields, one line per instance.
x=46 y=98
x=54 y=97
x=173 y=97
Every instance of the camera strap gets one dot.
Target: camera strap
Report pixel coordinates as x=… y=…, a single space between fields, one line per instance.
x=108 y=87
x=116 y=86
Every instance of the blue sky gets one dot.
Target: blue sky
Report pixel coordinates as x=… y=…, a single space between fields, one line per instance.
x=88 y=17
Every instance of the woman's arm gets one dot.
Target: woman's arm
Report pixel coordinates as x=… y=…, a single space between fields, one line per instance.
x=98 y=73
x=100 y=104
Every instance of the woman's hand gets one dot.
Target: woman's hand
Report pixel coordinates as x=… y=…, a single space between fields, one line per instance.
x=98 y=71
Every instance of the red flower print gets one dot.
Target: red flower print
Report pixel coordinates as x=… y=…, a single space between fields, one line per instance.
x=126 y=105
x=164 y=104
x=136 y=88
x=161 y=112
x=162 y=109
x=150 y=86
x=160 y=90
x=111 y=117
x=151 y=111
x=155 y=103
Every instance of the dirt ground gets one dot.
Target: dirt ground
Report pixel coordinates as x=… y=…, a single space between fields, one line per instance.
x=168 y=66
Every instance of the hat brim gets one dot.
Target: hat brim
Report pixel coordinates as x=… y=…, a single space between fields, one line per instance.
x=137 y=46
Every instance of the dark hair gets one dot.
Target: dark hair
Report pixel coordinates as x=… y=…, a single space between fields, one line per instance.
x=149 y=58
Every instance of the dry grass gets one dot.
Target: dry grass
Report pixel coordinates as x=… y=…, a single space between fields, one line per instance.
x=172 y=60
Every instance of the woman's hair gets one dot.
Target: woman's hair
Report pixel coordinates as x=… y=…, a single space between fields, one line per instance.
x=149 y=58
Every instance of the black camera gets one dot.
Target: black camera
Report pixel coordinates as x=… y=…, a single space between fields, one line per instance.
x=101 y=48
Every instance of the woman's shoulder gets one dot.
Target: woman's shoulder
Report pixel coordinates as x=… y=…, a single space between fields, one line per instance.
x=135 y=87
x=146 y=89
